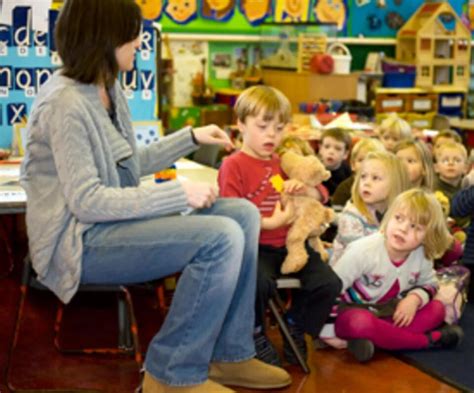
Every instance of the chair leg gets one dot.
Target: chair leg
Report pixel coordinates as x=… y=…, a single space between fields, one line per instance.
x=124 y=325
x=286 y=333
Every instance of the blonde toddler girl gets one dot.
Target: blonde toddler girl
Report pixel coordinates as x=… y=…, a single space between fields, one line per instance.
x=380 y=179
x=393 y=130
x=394 y=266
x=419 y=162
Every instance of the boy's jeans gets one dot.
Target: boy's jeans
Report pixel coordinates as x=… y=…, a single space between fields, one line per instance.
x=212 y=314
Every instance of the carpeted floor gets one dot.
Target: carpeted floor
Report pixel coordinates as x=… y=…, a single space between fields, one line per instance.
x=454 y=366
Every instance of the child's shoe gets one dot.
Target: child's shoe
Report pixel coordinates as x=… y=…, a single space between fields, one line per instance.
x=451 y=337
x=362 y=349
x=266 y=352
x=297 y=333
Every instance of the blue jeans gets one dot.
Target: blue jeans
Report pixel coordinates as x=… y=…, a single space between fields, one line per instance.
x=212 y=314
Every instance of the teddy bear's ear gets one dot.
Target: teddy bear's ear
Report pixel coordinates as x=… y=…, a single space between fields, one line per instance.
x=289 y=160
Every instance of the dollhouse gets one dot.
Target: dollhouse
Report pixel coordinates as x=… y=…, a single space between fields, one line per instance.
x=438 y=43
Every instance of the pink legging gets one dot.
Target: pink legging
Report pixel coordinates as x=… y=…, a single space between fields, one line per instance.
x=355 y=323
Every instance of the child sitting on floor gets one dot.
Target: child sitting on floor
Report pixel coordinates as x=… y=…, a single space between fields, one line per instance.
x=380 y=179
x=419 y=162
x=333 y=151
x=388 y=296
x=451 y=164
x=360 y=150
x=393 y=130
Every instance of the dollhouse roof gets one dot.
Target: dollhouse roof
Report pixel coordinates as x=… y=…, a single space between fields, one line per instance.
x=426 y=22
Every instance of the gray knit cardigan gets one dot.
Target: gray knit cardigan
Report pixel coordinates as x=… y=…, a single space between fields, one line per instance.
x=71 y=178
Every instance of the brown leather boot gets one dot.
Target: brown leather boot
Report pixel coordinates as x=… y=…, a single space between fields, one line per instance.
x=152 y=385
x=253 y=374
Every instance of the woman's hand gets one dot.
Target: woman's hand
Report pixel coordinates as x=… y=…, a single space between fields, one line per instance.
x=199 y=194
x=406 y=310
x=213 y=135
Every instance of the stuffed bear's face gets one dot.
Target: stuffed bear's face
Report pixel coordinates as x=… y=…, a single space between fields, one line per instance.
x=307 y=169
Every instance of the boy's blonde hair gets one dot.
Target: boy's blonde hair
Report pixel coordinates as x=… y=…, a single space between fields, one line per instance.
x=447 y=133
x=340 y=135
x=366 y=145
x=425 y=157
x=423 y=208
x=451 y=145
x=260 y=98
x=398 y=178
x=396 y=126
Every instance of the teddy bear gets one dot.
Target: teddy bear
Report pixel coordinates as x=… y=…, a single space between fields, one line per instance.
x=311 y=216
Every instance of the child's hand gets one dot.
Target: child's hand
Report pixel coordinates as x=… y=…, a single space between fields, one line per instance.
x=281 y=216
x=294 y=187
x=406 y=310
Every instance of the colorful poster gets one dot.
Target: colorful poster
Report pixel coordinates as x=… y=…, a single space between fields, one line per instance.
x=288 y=11
x=383 y=19
x=151 y=9
x=181 y=11
x=28 y=58
x=331 y=11
x=255 y=10
x=219 y=10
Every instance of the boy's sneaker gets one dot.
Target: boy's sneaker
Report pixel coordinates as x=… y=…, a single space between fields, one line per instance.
x=297 y=333
x=362 y=349
x=265 y=350
x=451 y=337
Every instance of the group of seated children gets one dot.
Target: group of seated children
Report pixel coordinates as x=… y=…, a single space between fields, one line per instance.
x=390 y=230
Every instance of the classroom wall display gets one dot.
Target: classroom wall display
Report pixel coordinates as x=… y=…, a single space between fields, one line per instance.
x=256 y=11
x=220 y=10
x=28 y=58
x=374 y=18
x=187 y=56
x=151 y=9
x=331 y=11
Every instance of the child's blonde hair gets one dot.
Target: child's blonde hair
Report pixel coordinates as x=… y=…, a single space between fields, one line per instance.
x=260 y=98
x=425 y=157
x=365 y=145
x=451 y=145
x=447 y=133
x=423 y=208
x=398 y=179
x=395 y=126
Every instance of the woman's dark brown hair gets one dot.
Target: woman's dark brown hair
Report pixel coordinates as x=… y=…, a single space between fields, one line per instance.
x=88 y=32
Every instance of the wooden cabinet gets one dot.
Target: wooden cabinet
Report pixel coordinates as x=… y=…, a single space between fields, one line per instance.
x=309 y=87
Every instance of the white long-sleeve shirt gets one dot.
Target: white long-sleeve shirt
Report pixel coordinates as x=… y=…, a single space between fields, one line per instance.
x=369 y=276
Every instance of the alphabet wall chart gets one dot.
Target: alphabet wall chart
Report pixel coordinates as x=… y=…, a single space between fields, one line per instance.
x=28 y=58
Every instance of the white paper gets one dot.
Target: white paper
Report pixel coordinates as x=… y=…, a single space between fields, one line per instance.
x=188 y=165
x=10 y=171
x=12 y=196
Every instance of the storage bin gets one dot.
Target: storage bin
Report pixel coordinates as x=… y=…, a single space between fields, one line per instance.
x=390 y=102
x=451 y=104
x=421 y=120
x=392 y=66
x=422 y=103
x=399 y=79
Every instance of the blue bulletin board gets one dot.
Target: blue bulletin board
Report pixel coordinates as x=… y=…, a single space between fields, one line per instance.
x=369 y=19
x=28 y=59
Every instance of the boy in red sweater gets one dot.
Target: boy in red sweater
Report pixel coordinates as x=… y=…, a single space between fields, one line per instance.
x=262 y=114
